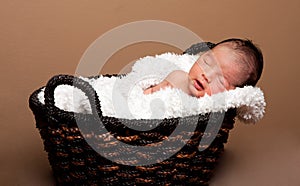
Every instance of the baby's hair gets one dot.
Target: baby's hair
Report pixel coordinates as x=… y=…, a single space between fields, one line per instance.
x=251 y=59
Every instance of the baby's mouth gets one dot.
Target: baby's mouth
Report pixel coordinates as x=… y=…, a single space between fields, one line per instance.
x=198 y=85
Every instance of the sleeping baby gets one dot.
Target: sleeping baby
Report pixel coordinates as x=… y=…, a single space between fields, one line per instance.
x=231 y=63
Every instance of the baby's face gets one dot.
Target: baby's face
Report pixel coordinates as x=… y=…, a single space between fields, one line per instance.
x=214 y=72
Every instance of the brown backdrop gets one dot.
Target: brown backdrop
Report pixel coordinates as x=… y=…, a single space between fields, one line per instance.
x=40 y=39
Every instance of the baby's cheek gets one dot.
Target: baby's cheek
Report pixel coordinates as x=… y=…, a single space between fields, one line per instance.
x=206 y=91
x=217 y=89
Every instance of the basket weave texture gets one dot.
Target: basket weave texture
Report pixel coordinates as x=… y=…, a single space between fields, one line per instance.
x=75 y=162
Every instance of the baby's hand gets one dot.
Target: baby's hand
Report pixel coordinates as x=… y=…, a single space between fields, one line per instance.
x=157 y=87
x=148 y=90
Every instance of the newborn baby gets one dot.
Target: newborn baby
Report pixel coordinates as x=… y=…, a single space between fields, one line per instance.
x=231 y=63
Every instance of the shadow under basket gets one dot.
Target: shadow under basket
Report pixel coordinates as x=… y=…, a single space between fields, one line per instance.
x=91 y=154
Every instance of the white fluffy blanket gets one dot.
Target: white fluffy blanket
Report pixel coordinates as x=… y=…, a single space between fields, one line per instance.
x=124 y=98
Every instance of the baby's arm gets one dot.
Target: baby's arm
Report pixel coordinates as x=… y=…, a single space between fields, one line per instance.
x=157 y=87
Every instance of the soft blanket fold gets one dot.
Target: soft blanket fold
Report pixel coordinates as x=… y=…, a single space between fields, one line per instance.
x=124 y=98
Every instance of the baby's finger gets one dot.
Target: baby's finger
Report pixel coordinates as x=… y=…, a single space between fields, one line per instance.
x=148 y=91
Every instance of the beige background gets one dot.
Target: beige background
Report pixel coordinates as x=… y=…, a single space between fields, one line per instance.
x=39 y=39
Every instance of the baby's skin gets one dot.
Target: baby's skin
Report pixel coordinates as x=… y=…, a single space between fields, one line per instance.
x=215 y=71
x=176 y=79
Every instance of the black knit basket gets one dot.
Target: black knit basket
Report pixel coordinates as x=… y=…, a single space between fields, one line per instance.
x=75 y=162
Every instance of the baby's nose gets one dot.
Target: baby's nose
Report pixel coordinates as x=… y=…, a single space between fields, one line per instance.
x=205 y=78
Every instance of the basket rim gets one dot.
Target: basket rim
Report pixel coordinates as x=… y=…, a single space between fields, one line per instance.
x=69 y=117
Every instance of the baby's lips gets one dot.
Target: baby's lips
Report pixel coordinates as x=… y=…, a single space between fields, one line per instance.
x=199 y=84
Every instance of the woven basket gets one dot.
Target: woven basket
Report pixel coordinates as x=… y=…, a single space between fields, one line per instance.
x=75 y=162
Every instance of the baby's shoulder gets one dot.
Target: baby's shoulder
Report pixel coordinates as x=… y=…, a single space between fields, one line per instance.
x=178 y=73
x=177 y=77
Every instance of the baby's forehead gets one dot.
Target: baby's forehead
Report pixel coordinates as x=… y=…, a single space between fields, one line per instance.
x=225 y=47
x=221 y=51
x=227 y=59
